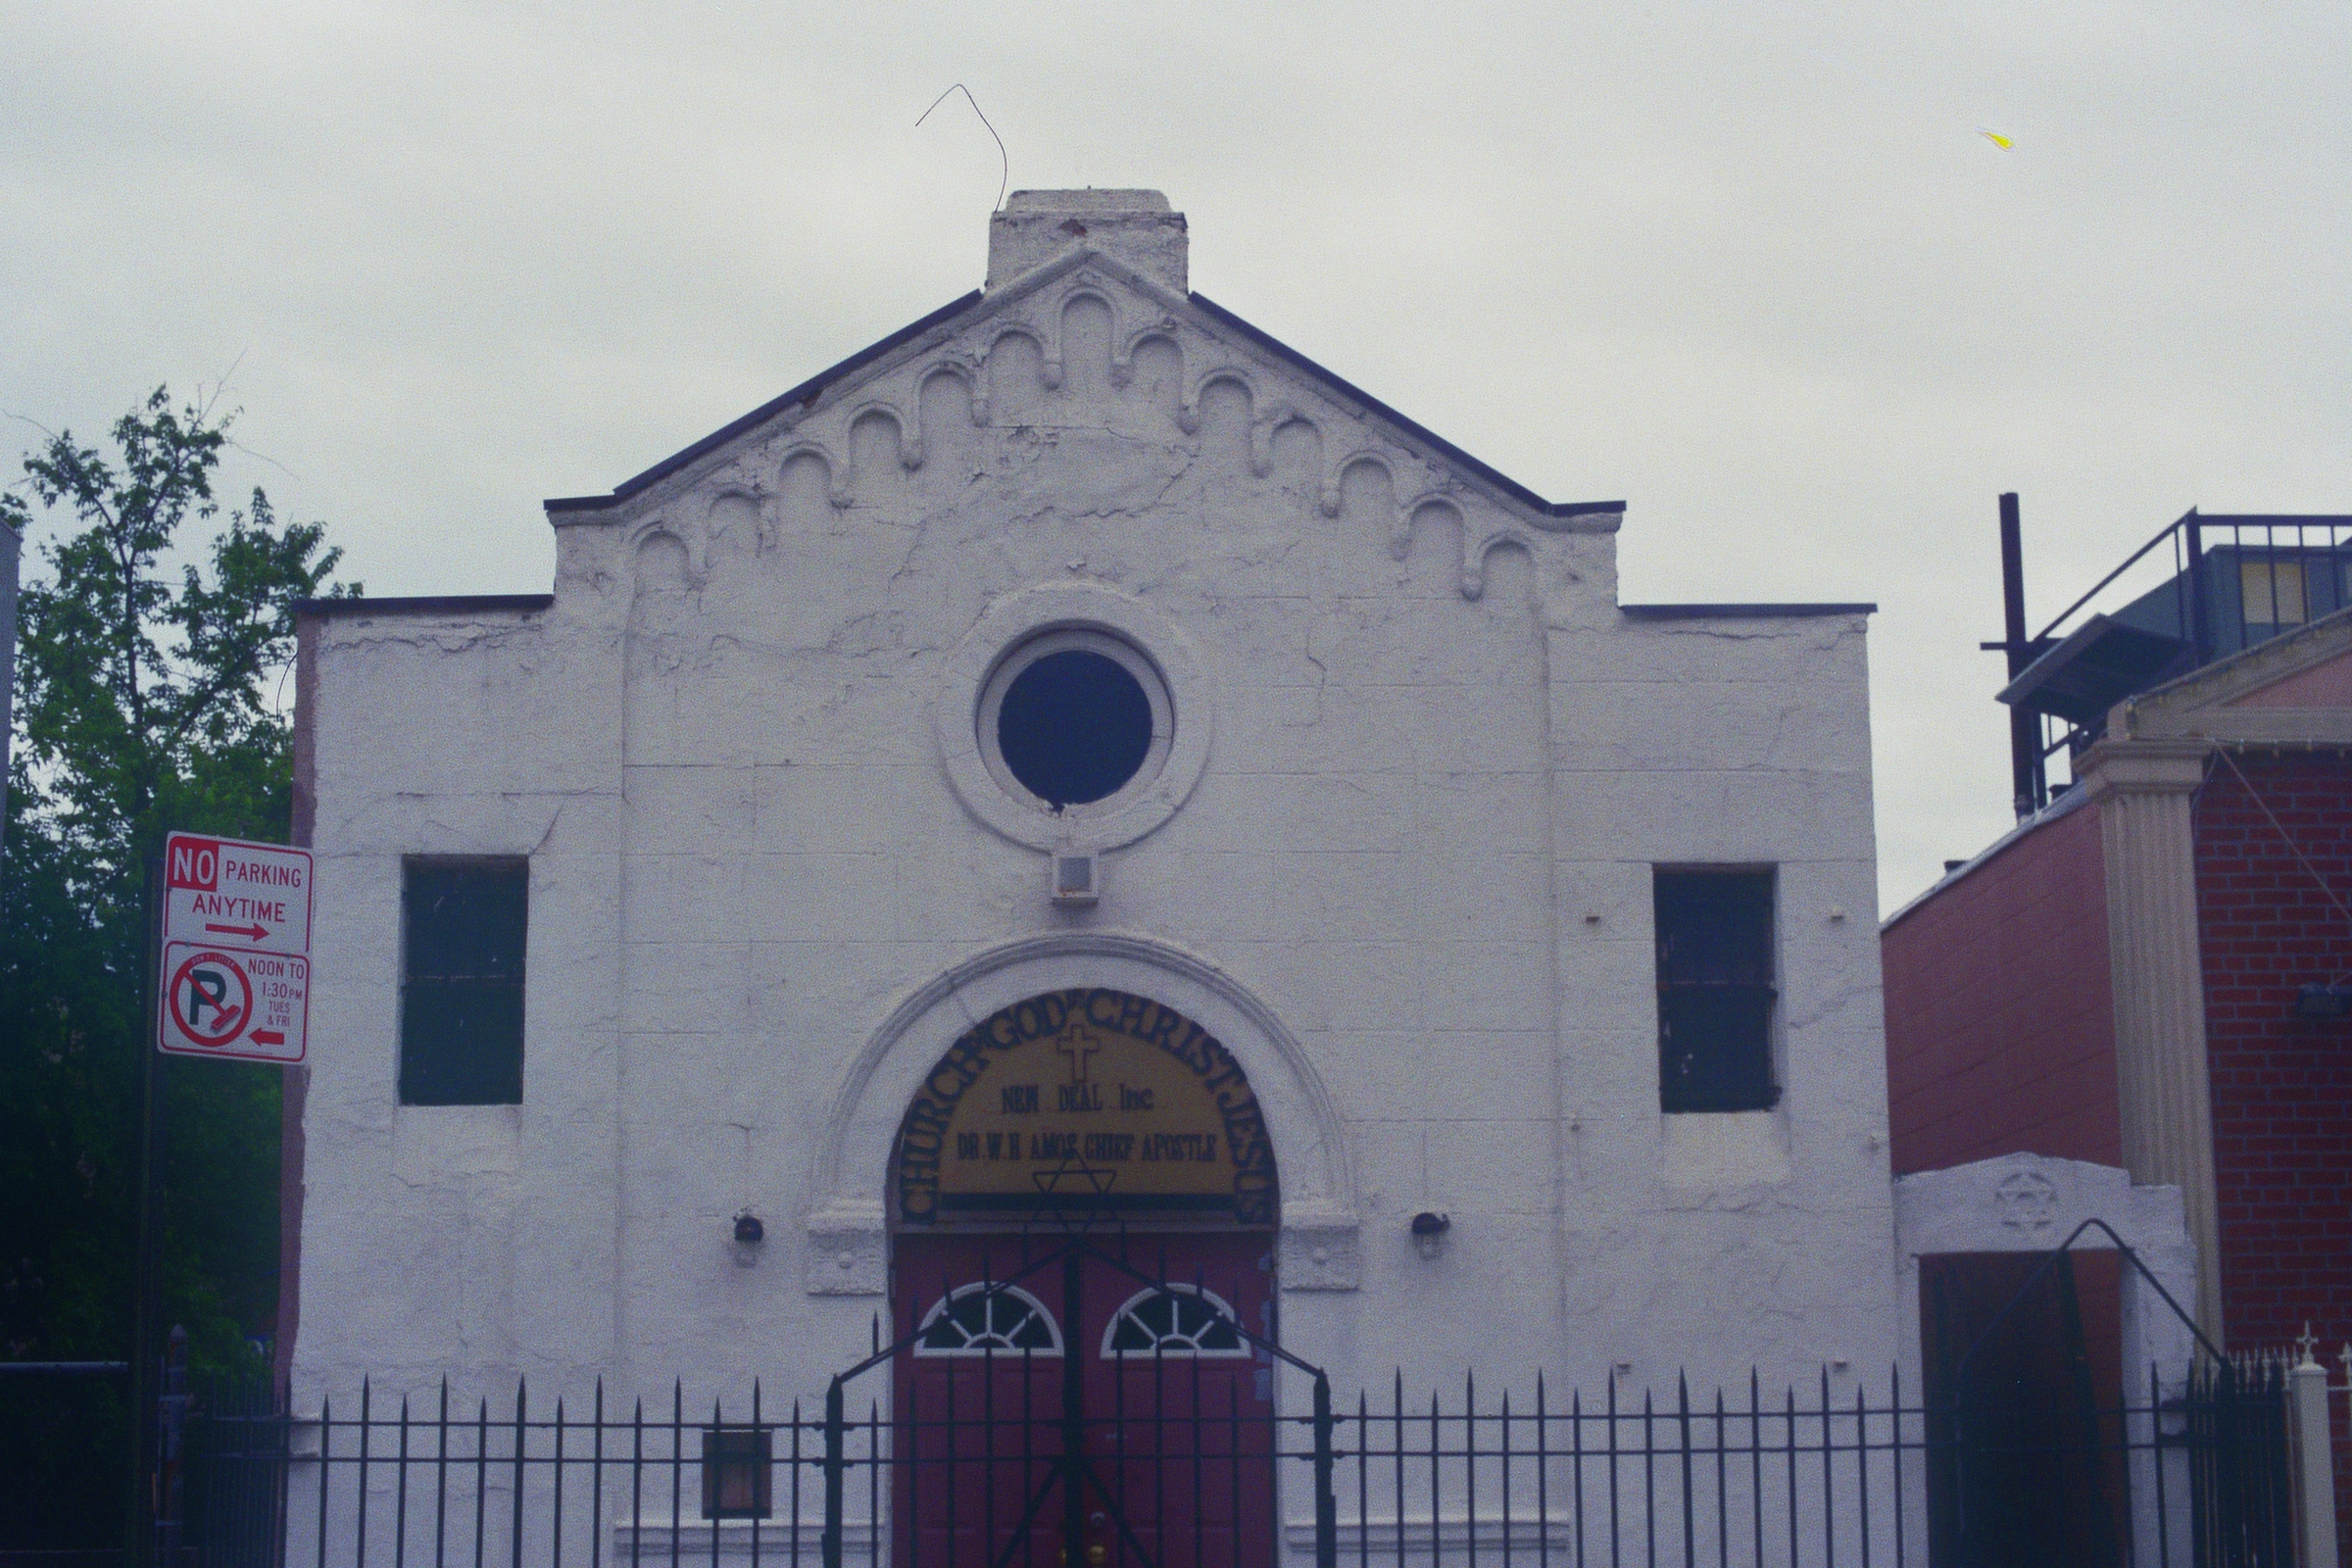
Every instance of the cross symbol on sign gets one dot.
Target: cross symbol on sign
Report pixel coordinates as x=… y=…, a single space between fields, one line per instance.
x=1077 y=1045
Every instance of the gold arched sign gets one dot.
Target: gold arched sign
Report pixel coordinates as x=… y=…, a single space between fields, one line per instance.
x=1085 y=1099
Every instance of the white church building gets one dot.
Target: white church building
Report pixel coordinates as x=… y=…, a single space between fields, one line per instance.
x=1078 y=768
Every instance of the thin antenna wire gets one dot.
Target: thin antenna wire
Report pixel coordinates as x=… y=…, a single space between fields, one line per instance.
x=1003 y=157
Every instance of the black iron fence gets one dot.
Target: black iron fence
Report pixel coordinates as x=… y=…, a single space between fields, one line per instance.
x=1823 y=1472
x=64 y=1427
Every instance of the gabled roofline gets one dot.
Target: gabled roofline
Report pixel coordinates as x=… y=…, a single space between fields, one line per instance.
x=809 y=391
x=2250 y=669
x=806 y=392
x=1347 y=389
x=2200 y=704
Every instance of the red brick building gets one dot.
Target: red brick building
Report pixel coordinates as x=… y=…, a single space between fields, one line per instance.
x=2154 y=971
x=2141 y=973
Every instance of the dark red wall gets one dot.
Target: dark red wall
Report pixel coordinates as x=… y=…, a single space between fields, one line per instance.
x=2000 y=1032
x=2282 y=1085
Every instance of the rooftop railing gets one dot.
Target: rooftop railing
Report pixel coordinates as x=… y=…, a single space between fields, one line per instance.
x=2204 y=588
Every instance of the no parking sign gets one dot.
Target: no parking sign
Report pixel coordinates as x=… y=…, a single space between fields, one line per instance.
x=236 y=972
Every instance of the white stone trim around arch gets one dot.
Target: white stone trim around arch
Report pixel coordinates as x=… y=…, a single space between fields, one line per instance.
x=846 y=1223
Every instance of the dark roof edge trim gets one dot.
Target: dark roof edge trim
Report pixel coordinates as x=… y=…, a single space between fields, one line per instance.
x=2065 y=802
x=806 y=392
x=1742 y=612
x=1420 y=432
x=429 y=604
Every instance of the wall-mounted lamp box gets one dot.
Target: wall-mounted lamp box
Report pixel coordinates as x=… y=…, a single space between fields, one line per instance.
x=748 y=1232
x=2332 y=1001
x=1075 y=874
x=1429 y=1231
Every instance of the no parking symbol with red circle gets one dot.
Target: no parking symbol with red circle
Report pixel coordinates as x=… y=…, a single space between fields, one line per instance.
x=211 y=998
x=232 y=1002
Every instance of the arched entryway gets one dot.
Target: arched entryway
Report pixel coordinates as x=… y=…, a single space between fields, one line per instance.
x=1083 y=1211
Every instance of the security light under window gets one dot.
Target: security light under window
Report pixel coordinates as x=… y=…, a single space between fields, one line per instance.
x=460 y=994
x=1715 y=990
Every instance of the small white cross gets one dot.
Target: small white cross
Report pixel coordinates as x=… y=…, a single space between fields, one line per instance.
x=1077 y=1045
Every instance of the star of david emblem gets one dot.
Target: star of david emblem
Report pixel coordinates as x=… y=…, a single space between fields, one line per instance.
x=1074 y=1175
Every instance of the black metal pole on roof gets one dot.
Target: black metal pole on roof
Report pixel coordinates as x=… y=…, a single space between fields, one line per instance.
x=2200 y=616
x=2026 y=778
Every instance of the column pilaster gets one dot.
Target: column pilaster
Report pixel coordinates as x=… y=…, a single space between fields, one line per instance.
x=2163 y=1079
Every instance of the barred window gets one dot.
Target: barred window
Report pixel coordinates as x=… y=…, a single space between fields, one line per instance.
x=1715 y=990
x=461 y=980
x=738 y=1464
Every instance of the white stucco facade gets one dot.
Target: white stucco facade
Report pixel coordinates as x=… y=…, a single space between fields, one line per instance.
x=1399 y=858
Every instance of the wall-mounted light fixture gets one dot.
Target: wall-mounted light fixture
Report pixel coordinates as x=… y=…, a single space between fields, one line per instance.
x=1429 y=1231
x=748 y=1232
x=2330 y=1001
x=1076 y=878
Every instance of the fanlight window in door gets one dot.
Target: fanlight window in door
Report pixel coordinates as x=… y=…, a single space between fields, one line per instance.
x=1180 y=1320
x=989 y=1320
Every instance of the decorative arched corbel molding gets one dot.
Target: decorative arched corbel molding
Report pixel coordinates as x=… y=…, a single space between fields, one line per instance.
x=1188 y=413
x=1265 y=424
x=1409 y=513
x=1084 y=288
x=1122 y=359
x=845 y=1222
x=910 y=448
x=837 y=482
x=1475 y=553
x=966 y=367
x=1334 y=477
x=736 y=484
x=1045 y=346
x=694 y=541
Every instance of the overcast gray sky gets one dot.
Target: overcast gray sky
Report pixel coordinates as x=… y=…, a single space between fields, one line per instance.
x=1747 y=265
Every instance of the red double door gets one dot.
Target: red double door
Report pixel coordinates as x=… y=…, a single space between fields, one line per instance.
x=1053 y=1394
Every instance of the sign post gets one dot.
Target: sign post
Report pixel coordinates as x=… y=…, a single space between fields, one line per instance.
x=228 y=978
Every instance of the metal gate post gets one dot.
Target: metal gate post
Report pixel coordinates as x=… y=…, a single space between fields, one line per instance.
x=1073 y=1416
x=2315 y=1463
x=835 y=1469
x=1327 y=1506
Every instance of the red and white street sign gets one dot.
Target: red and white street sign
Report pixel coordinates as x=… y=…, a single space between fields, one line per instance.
x=236 y=971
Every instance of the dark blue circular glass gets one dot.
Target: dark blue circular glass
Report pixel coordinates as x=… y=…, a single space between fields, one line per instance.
x=1074 y=727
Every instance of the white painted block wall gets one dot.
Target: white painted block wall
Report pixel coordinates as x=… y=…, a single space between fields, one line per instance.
x=1420 y=846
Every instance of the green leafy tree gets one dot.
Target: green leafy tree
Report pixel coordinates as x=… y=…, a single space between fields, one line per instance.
x=146 y=702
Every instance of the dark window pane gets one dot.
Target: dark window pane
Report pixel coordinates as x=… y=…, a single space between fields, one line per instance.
x=460 y=1043
x=1714 y=928
x=1715 y=991
x=1715 y=1047
x=1074 y=727
x=462 y=996
x=468 y=921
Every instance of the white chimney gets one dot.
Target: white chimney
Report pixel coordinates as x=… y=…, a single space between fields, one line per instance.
x=1137 y=227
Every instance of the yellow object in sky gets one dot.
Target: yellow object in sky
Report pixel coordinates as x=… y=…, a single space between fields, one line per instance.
x=1997 y=138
